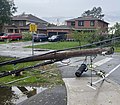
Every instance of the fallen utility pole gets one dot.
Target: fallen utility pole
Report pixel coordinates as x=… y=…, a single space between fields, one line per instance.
x=54 y=57
x=26 y=68
x=62 y=55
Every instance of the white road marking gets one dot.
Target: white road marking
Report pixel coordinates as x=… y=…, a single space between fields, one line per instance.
x=91 y=86
x=107 y=74
x=101 y=62
x=112 y=70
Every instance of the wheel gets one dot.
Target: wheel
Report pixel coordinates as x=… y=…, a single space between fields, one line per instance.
x=7 y=40
x=40 y=40
x=18 y=39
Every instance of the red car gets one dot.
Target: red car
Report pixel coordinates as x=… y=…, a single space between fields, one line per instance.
x=11 y=36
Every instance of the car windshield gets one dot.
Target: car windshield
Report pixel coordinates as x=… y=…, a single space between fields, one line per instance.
x=53 y=37
x=1 y=34
x=42 y=35
x=5 y=34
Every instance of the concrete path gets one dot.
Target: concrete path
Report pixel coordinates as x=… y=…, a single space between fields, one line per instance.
x=78 y=93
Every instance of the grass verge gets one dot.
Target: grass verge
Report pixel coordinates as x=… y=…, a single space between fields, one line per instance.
x=63 y=45
x=57 y=45
x=42 y=76
x=117 y=49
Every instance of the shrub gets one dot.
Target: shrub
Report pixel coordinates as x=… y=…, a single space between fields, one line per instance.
x=27 y=36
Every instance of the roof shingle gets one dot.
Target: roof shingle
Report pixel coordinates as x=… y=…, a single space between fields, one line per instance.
x=86 y=18
x=29 y=17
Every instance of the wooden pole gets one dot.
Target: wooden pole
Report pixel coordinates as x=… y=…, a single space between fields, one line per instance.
x=62 y=55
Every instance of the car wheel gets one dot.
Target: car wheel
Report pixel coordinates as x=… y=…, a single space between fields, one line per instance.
x=40 y=40
x=7 y=40
x=18 y=39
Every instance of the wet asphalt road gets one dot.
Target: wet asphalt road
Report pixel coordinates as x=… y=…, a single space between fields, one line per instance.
x=18 y=50
x=69 y=71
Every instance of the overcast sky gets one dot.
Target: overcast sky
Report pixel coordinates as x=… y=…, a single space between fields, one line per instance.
x=68 y=8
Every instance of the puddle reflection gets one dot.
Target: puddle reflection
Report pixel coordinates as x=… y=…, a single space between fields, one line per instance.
x=14 y=95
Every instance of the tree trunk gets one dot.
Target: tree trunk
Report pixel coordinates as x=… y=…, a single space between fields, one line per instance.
x=79 y=43
x=1 y=28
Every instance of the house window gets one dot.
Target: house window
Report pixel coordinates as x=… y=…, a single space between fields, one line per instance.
x=20 y=23
x=72 y=23
x=80 y=23
x=92 y=23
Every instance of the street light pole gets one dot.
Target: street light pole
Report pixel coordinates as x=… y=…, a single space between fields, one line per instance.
x=33 y=28
x=32 y=43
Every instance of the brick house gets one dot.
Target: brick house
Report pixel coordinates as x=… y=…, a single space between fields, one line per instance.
x=87 y=24
x=20 y=23
x=58 y=30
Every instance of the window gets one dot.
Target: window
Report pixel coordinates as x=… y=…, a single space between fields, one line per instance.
x=72 y=23
x=20 y=23
x=92 y=23
x=80 y=23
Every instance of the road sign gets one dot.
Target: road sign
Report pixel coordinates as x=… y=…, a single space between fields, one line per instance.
x=33 y=27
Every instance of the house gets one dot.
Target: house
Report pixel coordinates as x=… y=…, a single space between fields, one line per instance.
x=87 y=23
x=20 y=23
x=58 y=30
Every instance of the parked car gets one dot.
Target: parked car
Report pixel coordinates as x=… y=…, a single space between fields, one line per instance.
x=55 y=38
x=11 y=36
x=40 y=37
x=1 y=34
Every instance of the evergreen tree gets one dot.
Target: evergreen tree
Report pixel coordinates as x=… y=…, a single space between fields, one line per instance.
x=7 y=9
x=95 y=12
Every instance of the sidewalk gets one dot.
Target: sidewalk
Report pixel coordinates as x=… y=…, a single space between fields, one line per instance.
x=78 y=93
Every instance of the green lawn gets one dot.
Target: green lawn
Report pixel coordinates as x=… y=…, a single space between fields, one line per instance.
x=2 y=42
x=57 y=45
x=116 y=46
x=50 y=77
x=117 y=49
x=63 y=45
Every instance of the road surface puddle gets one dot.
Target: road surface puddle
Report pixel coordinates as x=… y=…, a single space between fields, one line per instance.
x=14 y=95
